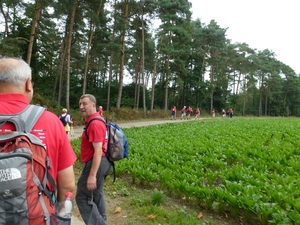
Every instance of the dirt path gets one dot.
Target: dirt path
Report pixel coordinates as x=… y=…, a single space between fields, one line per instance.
x=78 y=130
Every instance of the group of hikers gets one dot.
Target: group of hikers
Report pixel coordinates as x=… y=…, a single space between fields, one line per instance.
x=187 y=113
x=229 y=113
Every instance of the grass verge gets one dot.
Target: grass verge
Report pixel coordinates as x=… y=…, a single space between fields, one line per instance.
x=131 y=204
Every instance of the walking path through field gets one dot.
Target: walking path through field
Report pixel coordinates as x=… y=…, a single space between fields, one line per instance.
x=78 y=131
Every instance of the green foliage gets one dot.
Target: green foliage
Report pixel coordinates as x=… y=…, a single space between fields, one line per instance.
x=157 y=198
x=248 y=166
x=76 y=146
x=124 y=192
x=163 y=212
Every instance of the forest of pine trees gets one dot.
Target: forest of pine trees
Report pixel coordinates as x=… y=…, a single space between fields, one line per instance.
x=146 y=54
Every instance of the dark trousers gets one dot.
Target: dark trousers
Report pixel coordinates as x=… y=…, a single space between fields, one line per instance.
x=91 y=204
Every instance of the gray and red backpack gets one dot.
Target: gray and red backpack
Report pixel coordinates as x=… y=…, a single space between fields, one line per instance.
x=27 y=189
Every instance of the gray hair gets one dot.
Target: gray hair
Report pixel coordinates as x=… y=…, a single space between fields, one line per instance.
x=14 y=71
x=90 y=97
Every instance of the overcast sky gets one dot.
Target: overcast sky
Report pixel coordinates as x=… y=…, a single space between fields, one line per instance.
x=262 y=24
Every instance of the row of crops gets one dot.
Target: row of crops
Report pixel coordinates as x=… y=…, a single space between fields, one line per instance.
x=248 y=166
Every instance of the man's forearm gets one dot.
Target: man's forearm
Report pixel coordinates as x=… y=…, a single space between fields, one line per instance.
x=95 y=164
x=96 y=159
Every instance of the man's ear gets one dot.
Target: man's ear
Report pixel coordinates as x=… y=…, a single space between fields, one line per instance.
x=28 y=85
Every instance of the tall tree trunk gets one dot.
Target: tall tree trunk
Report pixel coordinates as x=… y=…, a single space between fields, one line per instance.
x=5 y=16
x=260 y=97
x=69 y=42
x=167 y=74
x=122 y=55
x=92 y=30
x=233 y=85
x=213 y=55
x=245 y=95
x=238 y=83
x=167 y=83
x=111 y=61
x=109 y=81
x=143 y=64
x=212 y=87
x=138 y=88
x=201 y=77
x=154 y=74
x=266 y=104
x=61 y=68
x=244 y=104
x=136 y=85
x=37 y=15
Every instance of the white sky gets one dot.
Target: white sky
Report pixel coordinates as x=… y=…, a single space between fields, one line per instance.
x=262 y=24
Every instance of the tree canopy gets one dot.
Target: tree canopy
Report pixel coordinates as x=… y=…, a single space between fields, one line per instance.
x=146 y=54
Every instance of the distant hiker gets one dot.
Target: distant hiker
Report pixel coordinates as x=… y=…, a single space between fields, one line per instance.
x=230 y=112
x=65 y=118
x=213 y=113
x=197 y=113
x=223 y=113
x=173 y=113
x=183 y=112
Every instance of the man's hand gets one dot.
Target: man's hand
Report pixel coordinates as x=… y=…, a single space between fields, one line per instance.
x=91 y=183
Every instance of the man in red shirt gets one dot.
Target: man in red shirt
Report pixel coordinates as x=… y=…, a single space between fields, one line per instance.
x=213 y=113
x=16 y=92
x=188 y=113
x=197 y=113
x=173 y=113
x=89 y=197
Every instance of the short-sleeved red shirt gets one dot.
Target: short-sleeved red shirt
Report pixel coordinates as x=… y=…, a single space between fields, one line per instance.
x=96 y=133
x=48 y=129
x=101 y=112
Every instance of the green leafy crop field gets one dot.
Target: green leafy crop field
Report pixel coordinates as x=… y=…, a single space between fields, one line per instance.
x=239 y=165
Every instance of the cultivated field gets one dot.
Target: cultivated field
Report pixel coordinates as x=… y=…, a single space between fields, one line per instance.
x=248 y=166
x=241 y=167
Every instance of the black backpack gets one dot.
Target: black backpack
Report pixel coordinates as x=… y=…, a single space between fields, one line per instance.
x=63 y=119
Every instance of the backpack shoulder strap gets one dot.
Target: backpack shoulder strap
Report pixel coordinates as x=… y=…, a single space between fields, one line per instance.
x=31 y=115
x=25 y=120
x=87 y=137
x=88 y=124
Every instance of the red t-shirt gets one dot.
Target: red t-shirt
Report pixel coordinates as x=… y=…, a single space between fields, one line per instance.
x=188 y=111
x=48 y=129
x=96 y=133
x=101 y=112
